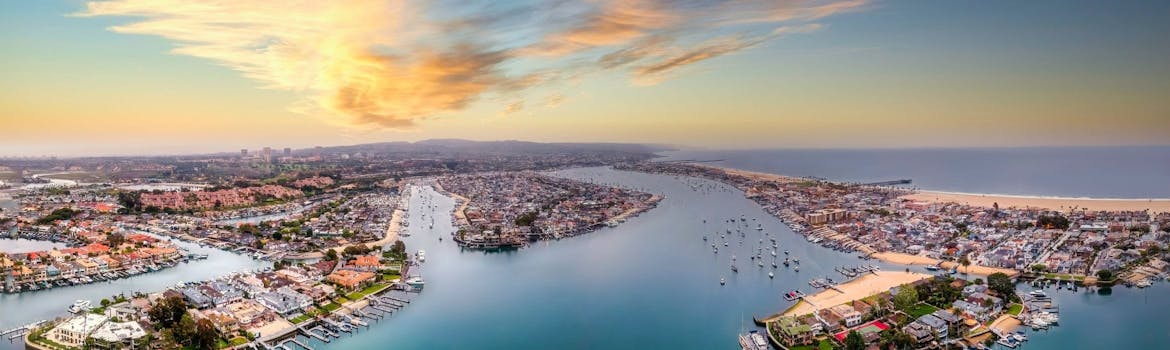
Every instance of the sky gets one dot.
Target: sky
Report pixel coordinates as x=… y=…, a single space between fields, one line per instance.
x=130 y=77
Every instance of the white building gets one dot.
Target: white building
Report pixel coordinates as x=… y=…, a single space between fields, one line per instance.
x=74 y=331
x=119 y=332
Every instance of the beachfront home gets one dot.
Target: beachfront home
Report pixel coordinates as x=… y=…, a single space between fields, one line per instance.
x=848 y=314
x=813 y=324
x=792 y=332
x=830 y=320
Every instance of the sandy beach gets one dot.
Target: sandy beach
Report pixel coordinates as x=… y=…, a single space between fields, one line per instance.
x=856 y=289
x=753 y=174
x=919 y=260
x=1156 y=205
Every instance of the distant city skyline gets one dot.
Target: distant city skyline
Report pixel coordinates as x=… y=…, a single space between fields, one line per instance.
x=138 y=77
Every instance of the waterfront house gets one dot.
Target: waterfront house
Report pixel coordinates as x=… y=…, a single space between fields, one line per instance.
x=350 y=279
x=284 y=301
x=847 y=313
x=829 y=319
x=74 y=331
x=813 y=324
x=793 y=332
x=196 y=298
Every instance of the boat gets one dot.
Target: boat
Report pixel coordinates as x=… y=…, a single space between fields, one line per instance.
x=79 y=306
x=771 y=275
x=1038 y=293
x=931 y=268
x=722 y=281
x=416 y=282
x=1008 y=342
x=422 y=255
x=753 y=341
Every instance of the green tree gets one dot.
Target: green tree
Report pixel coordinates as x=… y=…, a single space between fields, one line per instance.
x=1105 y=275
x=906 y=298
x=185 y=329
x=853 y=341
x=205 y=336
x=1002 y=284
x=966 y=263
x=330 y=255
x=168 y=311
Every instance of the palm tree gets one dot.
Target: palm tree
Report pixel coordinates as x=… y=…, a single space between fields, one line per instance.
x=966 y=263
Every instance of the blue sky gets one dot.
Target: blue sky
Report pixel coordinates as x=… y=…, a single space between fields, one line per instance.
x=139 y=76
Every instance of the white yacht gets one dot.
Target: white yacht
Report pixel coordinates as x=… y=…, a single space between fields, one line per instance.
x=79 y=306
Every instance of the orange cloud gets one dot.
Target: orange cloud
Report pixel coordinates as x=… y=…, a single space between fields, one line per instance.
x=391 y=63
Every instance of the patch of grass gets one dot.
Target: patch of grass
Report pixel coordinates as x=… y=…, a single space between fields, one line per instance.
x=364 y=292
x=331 y=307
x=1015 y=309
x=920 y=310
x=825 y=344
x=300 y=319
x=237 y=341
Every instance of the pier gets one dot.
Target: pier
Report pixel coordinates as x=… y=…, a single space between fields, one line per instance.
x=19 y=332
x=889 y=183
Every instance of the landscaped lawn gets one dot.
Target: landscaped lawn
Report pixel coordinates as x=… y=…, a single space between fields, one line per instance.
x=299 y=319
x=921 y=309
x=824 y=345
x=1015 y=309
x=331 y=307
x=364 y=292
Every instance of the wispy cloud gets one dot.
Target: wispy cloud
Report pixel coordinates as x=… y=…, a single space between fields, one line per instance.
x=391 y=63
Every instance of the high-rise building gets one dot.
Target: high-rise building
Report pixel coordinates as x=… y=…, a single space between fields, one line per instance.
x=287 y=151
x=244 y=152
x=267 y=154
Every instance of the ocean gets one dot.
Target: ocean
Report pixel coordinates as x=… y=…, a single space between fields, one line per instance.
x=1102 y=172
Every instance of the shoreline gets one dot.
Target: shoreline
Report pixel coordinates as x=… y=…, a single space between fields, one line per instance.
x=1156 y=205
x=919 y=260
x=855 y=289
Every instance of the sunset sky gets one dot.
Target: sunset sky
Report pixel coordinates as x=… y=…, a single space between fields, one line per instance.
x=172 y=76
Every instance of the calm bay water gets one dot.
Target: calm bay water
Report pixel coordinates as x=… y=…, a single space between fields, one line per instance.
x=1127 y=318
x=651 y=283
x=22 y=245
x=1106 y=172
